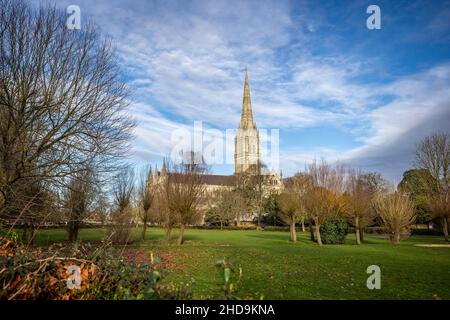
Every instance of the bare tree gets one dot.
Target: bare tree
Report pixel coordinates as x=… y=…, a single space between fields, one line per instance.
x=433 y=154
x=219 y=210
x=33 y=204
x=123 y=190
x=325 y=199
x=359 y=211
x=290 y=210
x=251 y=186
x=62 y=101
x=184 y=188
x=396 y=211
x=225 y=207
x=440 y=207
x=79 y=200
x=322 y=204
x=147 y=191
x=375 y=182
x=246 y=192
x=166 y=218
x=258 y=182
x=240 y=206
x=302 y=185
x=331 y=177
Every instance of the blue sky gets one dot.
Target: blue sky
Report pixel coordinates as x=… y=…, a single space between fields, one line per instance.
x=332 y=87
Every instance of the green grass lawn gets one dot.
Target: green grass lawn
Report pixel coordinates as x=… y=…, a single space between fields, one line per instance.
x=279 y=269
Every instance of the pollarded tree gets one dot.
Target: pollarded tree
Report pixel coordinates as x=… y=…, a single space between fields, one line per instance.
x=396 y=211
x=183 y=190
x=322 y=204
x=123 y=189
x=166 y=218
x=440 y=207
x=359 y=211
x=325 y=199
x=146 y=193
x=301 y=185
x=290 y=210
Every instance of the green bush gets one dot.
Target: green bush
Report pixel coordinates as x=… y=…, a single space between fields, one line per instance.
x=334 y=231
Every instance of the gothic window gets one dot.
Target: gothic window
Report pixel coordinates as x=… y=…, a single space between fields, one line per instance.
x=246 y=144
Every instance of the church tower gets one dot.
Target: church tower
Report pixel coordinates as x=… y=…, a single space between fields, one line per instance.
x=246 y=142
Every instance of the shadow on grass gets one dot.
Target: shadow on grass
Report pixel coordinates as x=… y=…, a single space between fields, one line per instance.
x=281 y=237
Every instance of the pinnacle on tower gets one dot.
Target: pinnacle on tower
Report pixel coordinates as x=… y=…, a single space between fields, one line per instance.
x=150 y=177
x=164 y=170
x=247 y=114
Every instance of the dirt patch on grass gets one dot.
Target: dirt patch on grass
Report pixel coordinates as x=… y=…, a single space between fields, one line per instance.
x=433 y=245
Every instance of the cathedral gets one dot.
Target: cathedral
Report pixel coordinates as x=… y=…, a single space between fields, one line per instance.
x=247 y=159
x=247 y=154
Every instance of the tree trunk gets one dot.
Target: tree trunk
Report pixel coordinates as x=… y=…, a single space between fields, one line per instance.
x=445 y=228
x=74 y=224
x=358 y=236
x=293 y=232
x=73 y=231
x=303 y=224
x=144 y=227
x=259 y=220
x=168 y=233
x=319 y=239
x=396 y=237
x=361 y=234
x=311 y=230
x=221 y=225
x=28 y=233
x=180 y=235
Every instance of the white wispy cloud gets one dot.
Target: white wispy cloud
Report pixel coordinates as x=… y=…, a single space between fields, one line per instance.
x=185 y=61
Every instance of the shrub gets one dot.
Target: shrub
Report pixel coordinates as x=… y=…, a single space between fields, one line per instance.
x=333 y=231
x=27 y=273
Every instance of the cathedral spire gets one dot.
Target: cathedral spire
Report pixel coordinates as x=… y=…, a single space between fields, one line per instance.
x=247 y=114
x=150 y=177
